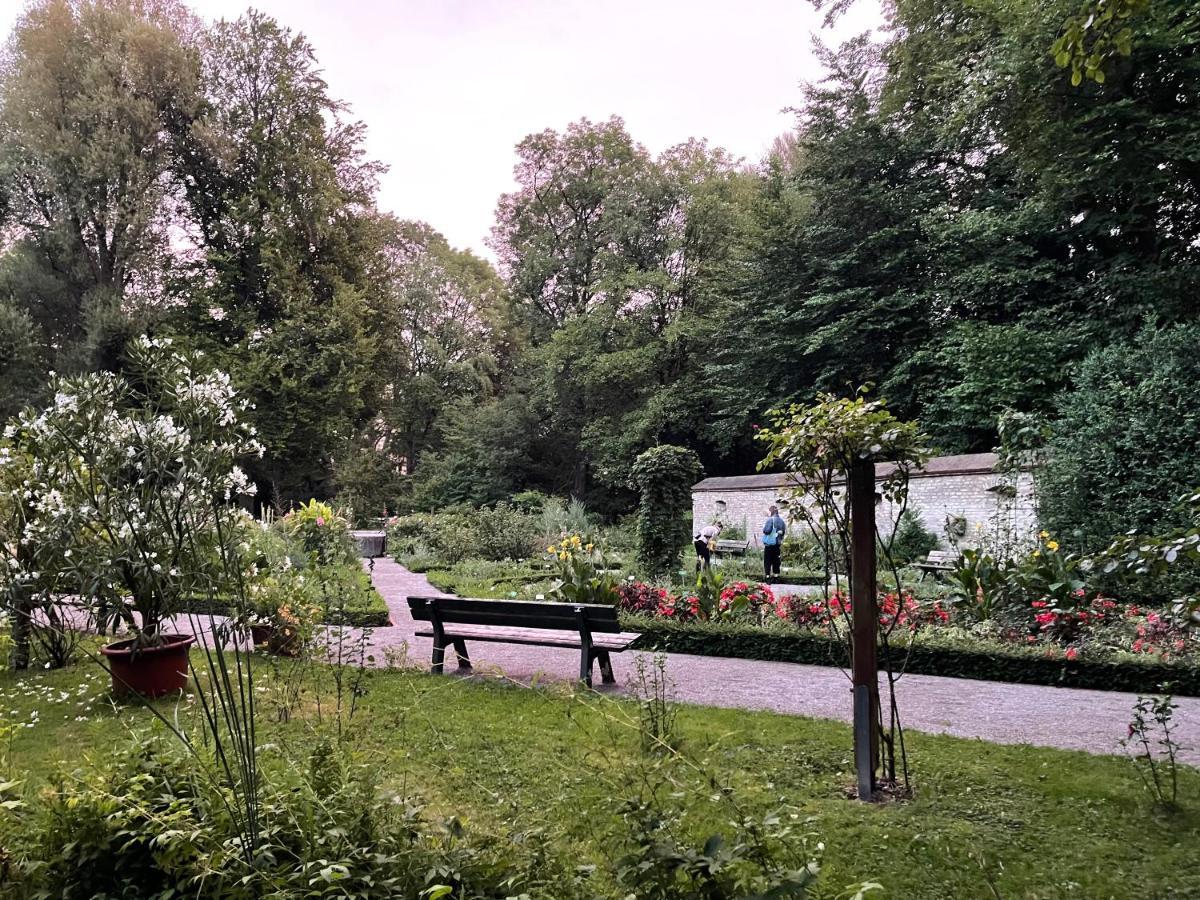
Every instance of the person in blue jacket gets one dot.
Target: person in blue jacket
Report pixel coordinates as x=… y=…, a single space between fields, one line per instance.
x=773 y=531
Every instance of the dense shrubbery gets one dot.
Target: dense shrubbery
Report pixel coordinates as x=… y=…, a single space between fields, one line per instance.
x=1127 y=440
x=664 y=477
x=151 y=823
x=452 y=535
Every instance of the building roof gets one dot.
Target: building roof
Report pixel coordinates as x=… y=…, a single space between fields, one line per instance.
x=962 y=464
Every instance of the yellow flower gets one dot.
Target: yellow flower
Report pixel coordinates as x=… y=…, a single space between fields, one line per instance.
x=575 y=540
x=1043 y=534
x=1052 y=546
x=1037 y=553
x=550 y=549
x=589 y=547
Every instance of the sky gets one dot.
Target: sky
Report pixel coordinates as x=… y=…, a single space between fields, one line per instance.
x=447 y=88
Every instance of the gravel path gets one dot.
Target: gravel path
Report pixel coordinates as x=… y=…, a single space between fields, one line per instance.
x=1066 y=718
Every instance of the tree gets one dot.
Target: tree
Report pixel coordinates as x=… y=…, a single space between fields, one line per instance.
x=90 y=91
x=284 y=293
x=22 y=370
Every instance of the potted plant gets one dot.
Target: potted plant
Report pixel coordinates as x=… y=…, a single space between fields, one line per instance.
x=133 y=483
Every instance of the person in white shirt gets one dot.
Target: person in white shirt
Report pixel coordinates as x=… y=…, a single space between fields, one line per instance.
x=705 y=541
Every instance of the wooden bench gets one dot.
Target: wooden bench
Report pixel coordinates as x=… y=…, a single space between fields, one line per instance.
x=732 y=548
x=937 y=561
x=593 y=629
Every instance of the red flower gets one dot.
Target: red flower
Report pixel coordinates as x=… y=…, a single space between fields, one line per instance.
x=1072 y=653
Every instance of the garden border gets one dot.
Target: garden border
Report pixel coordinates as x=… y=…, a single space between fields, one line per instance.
x=748 y=642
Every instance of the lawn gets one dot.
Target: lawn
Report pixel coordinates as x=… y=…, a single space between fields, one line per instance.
x=986 y=820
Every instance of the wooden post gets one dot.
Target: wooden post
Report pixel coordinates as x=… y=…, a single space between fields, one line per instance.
x=865 y=619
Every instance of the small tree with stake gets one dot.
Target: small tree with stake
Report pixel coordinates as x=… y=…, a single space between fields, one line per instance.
x=831 y=449
x=664 y=477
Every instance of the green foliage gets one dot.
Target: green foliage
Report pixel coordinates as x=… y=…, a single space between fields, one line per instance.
x=321 y=534
x=498 y=533
x=583 y=576
x=149 y=823
x=22 y=369
x=912 y=540
x=1152 y=724
x=127 y=496
x=1098 y=32
x=829 y=436
x=664 y=477
x=1126 y=441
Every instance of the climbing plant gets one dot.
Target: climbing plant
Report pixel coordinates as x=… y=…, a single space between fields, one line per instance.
x=664 y=477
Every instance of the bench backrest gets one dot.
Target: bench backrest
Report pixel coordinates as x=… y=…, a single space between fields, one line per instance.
x=515 y=613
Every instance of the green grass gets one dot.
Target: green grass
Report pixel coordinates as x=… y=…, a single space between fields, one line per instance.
x=1036 y=823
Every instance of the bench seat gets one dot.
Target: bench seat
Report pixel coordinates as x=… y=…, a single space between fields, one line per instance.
x=534 y=637
x=592 y=629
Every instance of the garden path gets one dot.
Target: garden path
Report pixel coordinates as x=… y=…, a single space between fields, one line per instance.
x=1065 y=718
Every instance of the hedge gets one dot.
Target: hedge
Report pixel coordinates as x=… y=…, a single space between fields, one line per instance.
x=749 y=642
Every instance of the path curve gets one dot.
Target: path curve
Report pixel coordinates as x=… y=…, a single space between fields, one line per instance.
x=1066 y=718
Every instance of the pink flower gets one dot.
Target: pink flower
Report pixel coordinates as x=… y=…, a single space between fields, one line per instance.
x=1072 y=653
x=320 y=521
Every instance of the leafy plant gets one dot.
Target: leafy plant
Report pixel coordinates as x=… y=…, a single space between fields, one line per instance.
x=583 y=577
x=1153 y=723
x=664 y=477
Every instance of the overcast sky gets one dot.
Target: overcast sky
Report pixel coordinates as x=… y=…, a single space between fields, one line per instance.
x=448 y=87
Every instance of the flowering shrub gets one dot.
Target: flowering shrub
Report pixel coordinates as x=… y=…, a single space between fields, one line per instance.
x=741 y=597
x=127 y=495
x=582 y=578
x=639 y=597
x=323 y=534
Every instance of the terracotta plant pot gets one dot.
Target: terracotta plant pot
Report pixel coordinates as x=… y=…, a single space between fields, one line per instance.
x=149 y=671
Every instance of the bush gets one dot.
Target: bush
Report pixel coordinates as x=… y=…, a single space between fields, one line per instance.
x=453 y=535
x=151 y=824
x=664 y=476
x=1126 y=440
x=912 y=540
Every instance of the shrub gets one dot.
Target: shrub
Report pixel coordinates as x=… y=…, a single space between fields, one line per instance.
x=320 y=534
x=664 y=476
x=1126 y=440
x=912 y=540
x=133 y=477
x=152 y=823
x=453 y=535
x=928 y=655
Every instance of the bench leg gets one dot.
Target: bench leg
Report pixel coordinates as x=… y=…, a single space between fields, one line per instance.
x=439 y=657
x=460 y=650
x=586 y=658
x=606 y=672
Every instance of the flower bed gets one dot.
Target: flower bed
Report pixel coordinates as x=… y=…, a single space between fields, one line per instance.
x=929 y=656
x=1097 y=643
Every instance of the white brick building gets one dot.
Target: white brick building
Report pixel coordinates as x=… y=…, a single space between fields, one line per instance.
x=959 y=489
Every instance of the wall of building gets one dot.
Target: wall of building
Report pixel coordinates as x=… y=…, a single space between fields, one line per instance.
x=966 y=497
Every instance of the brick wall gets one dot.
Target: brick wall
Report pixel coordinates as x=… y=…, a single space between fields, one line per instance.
x=936 y=498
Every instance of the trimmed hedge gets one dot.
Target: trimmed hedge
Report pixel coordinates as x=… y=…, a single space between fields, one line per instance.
x=749 y=642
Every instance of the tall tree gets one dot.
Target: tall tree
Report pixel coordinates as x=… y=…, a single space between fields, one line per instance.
x=284 y=291
x=89 y=92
